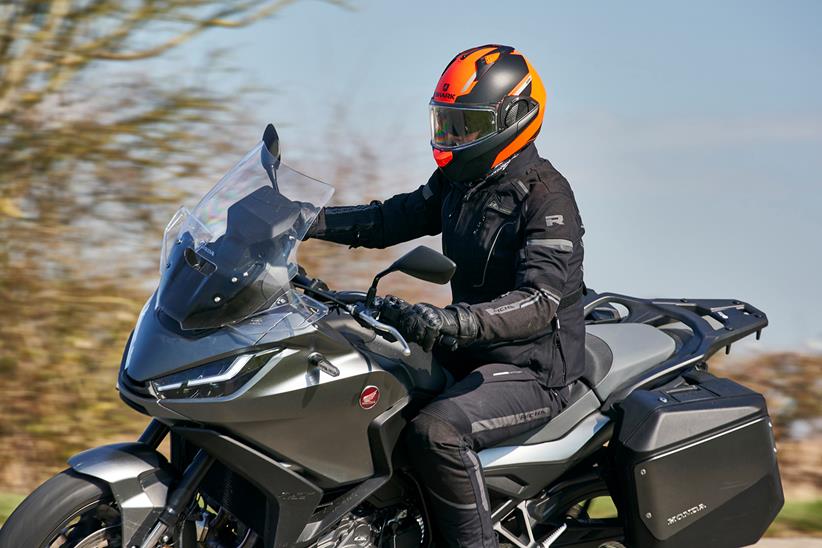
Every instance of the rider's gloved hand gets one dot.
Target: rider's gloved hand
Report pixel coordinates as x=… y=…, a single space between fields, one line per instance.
x=317 y=228
x=391 y=308
x=426 y=324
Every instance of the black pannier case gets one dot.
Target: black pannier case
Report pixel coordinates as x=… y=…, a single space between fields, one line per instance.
x=696 y=465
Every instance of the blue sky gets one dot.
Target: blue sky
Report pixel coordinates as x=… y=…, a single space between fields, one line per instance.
x=691 y=132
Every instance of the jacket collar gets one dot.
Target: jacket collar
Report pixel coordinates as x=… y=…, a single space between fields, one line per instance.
x=514 y=167
x=519 y=163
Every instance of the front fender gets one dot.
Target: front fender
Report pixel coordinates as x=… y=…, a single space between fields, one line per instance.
x=139 y=477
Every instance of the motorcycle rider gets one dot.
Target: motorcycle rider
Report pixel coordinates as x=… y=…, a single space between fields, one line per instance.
x=514 y=335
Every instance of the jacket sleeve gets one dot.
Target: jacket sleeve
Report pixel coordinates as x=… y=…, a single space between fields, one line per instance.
x=552 y=229
x=401 y=218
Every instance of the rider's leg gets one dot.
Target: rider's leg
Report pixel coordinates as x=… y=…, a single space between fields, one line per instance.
x=493 y=403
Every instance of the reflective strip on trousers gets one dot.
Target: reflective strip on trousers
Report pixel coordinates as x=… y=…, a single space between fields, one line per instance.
x=510 y=420
x=480 y=483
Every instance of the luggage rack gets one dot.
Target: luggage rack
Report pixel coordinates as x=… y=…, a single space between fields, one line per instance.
x=735 y=320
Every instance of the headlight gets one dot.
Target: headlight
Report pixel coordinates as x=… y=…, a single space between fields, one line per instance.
x=214 y=379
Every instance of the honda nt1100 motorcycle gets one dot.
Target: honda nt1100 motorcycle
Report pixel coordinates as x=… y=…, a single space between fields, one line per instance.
x=284 y=402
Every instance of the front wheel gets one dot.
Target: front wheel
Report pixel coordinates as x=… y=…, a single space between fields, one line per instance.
x=68 y=511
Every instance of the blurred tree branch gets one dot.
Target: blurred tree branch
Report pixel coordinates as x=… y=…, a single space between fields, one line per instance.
x=93 y=157
x=44 y=44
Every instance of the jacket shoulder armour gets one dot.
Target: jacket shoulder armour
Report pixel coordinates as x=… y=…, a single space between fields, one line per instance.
x=548 y=188
x=543 y=178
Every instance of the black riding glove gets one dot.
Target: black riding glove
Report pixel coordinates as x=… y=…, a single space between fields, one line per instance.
x=391 y=308
x=426 y=325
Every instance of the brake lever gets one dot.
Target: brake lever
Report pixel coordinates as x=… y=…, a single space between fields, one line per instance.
x=382 y=329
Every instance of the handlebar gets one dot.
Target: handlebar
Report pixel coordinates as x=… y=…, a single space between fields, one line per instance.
x=354 y=303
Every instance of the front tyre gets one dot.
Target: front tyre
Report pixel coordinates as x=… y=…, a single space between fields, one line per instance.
x=68 y=511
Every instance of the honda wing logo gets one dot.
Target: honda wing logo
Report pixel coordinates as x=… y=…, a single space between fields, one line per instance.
x=369 y=397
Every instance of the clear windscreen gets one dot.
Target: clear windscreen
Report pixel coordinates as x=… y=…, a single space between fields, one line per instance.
x=234 y=254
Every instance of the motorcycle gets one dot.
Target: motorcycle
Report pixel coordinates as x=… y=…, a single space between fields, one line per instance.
x=283 y=402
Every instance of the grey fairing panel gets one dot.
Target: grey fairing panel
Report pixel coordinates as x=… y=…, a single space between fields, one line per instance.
x=536 y=466
x=304 y=416
x=545 y=453
x=138 y=477
x=156 y=350
x=562 y=423
x=293 y=410
x=635 y=347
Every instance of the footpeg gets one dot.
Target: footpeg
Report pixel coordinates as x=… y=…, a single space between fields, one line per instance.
x=553 y=537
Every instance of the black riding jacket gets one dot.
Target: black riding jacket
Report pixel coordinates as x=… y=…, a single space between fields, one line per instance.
x=516 y=238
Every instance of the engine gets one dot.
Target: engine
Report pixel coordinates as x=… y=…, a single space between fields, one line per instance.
x=395 y=527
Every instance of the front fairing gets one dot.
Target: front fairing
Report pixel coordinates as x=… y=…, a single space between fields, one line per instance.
x=158 y=348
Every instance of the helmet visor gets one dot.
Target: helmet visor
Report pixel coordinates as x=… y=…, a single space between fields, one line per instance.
x=453 y=127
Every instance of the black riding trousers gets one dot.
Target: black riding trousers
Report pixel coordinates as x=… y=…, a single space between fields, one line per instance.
x=489 y=405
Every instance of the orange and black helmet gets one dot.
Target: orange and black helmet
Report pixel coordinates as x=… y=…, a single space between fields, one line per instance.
x=488 y=105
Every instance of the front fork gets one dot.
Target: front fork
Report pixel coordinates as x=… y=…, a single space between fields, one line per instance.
x=179 y=499
x=154 y=434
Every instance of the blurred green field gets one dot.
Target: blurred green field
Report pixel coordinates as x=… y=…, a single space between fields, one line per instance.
x=8 y=502
x=799 y=518
x=796 y=518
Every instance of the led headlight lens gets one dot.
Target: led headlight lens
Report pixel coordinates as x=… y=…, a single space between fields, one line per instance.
x=214 y=379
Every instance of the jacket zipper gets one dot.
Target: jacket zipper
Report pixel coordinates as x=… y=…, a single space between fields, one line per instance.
x=480 y=222
x=490 y=252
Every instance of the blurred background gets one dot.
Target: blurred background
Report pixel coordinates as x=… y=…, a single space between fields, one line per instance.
x=691 y=133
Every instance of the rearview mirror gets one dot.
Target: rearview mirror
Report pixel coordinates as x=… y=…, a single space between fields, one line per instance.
x=272 y=141
x=426 y=264
x=421 y=262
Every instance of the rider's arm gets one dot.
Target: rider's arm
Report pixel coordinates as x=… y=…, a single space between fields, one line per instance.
x=399 y=219
x=552 y=229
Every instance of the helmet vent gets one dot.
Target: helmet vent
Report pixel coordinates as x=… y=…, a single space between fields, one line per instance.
x=516 y=112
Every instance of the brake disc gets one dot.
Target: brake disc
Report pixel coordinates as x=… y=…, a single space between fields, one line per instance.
x=108 y=537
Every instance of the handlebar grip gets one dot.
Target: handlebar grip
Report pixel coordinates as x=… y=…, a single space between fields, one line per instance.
x=302 y=279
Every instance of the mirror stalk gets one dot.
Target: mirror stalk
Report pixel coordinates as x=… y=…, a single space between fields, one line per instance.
x=371 y=296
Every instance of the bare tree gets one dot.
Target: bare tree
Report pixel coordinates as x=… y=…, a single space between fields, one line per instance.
x=93 y=156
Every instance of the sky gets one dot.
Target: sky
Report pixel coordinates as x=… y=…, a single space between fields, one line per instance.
x=691 y=132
